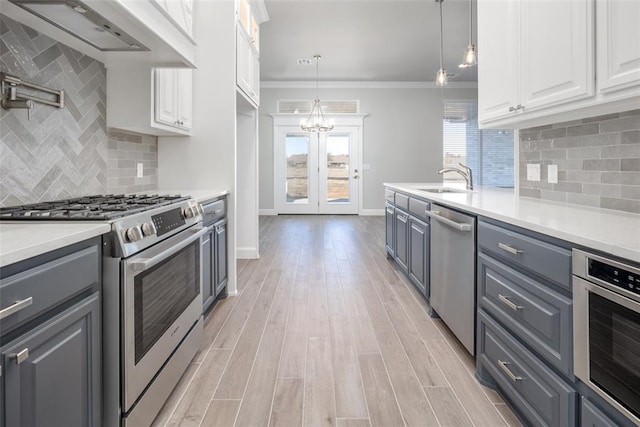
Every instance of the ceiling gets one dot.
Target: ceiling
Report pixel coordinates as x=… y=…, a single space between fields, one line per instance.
x=364 y=40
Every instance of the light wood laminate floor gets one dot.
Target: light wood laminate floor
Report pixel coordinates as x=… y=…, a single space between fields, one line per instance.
x=326 y=331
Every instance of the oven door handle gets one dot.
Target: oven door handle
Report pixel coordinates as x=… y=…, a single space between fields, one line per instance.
x=146 y=263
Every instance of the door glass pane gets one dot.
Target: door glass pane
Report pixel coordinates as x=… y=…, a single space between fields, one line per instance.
x=297 y=166
x=338 y=162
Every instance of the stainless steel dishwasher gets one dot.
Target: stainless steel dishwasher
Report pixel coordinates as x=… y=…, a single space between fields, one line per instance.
x=453 y=256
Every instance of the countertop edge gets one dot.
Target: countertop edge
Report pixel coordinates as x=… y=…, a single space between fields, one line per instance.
x=577 y=239
x=39 y=247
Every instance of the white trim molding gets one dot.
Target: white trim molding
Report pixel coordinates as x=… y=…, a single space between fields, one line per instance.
x=247 y=253
x=267 y=212
x=269 y=84
x=372 y=212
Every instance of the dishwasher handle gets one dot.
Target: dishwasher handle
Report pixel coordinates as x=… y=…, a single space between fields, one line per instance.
x=456 y=225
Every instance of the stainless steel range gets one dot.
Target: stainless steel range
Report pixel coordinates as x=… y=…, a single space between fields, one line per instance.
x=152 y=298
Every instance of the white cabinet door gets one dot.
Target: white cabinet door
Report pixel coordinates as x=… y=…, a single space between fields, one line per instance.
x=556 y=52
x=185 y=98
x=243 y=64
x=498 y=71
x=618 y=38
x=166 y=106
x=255 y=76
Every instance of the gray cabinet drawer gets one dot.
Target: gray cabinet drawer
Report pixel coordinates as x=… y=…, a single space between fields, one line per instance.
x=389 y=196
x=541 y=396
x=402 y=201
x=418 y=208
x=213 y=211
x=48 y=285
x=590 y=416
x=536 y=314
x=542 y=258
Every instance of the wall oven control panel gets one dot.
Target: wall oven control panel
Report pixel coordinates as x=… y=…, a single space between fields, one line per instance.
x=168 y=220
x=615 y=275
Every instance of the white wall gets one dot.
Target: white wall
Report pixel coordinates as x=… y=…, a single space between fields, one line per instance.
x=402 y=134
x=207 y=159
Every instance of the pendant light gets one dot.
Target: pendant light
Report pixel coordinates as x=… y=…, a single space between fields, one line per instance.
x=470 y=59
x=441 y=76
x=316 y=122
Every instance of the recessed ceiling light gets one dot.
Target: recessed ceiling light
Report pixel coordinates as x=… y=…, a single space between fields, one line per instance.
x=79 y=9
x=304 y=62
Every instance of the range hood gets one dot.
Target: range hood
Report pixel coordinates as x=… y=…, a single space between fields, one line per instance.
x=79 y=20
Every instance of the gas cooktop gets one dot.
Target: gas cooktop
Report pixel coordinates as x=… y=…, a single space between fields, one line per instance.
x=98 y=207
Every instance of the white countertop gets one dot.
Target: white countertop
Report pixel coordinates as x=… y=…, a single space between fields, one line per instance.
x=613 y=232
x=22 y=240
x=197 y=194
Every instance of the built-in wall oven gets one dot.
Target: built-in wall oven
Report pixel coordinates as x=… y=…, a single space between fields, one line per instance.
x=606 y=322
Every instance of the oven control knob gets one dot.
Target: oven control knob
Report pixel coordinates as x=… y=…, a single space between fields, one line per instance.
x=134 y=234
x=190 y=212
x=148 y=229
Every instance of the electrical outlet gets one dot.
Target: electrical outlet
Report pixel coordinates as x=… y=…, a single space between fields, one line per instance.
x=140 y=170
x=533 y=172
x=552 y=174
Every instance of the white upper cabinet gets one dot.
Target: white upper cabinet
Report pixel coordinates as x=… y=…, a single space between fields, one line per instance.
x=499 y=70
x=538 y=60
x=556 y=52
x=151 y=101
x=248 y=48
x=532 y=55
x=618 y=44
x=180 y=12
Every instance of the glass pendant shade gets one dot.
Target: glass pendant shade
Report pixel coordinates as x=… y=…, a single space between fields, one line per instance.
x=469 y=57
x=441 y=77
x=316 y=122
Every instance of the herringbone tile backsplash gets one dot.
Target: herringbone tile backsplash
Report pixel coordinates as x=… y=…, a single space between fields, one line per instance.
x=62 y=153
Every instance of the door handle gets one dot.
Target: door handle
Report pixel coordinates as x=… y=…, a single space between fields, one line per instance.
x=15 y=307
x=458 y=226
x=509 y=249
x=503 y=366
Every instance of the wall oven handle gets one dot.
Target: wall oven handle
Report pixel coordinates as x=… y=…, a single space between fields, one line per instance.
x=146 y=263
x=503 y=366
x=456 y=225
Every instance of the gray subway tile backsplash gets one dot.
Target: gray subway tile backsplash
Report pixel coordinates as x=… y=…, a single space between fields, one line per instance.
x=62 y=153
x=598 y=161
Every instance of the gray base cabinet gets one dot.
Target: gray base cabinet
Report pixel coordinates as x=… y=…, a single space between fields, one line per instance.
x=401 y=231
x=590 y=416
x=389 y=231
x=419 y=254
x=50 y=339
x=52 y=376
x=214 y=253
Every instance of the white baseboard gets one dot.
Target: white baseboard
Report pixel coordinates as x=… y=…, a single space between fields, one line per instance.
x=267 y=212
x=372 y=212
x=247 y=253
x=232 y=294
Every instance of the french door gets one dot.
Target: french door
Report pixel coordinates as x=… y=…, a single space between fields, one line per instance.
x=316 y=173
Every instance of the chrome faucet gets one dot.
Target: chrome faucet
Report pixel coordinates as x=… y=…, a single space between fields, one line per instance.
x=463 y=170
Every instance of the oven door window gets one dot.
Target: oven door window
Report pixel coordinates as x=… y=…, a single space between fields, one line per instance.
x=614 y=351
x=162 y=293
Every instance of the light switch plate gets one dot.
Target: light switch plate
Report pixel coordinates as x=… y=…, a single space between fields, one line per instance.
x=533 y=172
x=552 y=174
x=140 y=170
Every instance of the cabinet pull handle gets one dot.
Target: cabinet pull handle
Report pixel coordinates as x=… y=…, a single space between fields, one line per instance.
x=512 y=109
x=219 y=230
x=512 y=305
x=503 y=366
x=390 y=211
x=15 y=307
x=519 y=107
x=22 y=356
x=509 y=249
x=402 y=218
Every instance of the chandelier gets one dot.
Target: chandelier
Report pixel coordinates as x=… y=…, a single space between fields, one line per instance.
x=316 y=122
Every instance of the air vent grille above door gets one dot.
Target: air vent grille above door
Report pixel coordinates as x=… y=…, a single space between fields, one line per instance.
x=328 y=107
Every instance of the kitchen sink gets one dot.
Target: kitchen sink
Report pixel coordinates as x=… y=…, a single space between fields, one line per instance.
x=443 y=190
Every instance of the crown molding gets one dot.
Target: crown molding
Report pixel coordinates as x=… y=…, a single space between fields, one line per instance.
x=293 y=84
